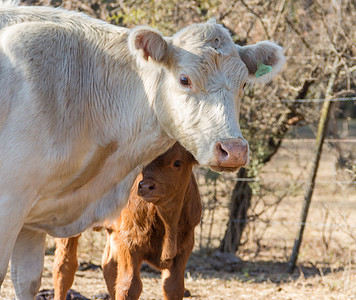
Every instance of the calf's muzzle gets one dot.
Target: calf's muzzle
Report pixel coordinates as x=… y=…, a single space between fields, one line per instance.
x=146 y=188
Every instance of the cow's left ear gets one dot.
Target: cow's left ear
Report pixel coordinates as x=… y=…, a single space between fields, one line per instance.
x=263 y=60
x=148 y=44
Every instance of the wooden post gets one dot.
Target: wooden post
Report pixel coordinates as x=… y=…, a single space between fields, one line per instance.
x=323 y=125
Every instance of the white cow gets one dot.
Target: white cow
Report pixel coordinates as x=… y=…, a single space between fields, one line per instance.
x=85 y=104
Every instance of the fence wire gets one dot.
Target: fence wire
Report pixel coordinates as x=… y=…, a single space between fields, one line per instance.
x=325 y=140
x=317 y=100
x=292 y=223
x=293 y=181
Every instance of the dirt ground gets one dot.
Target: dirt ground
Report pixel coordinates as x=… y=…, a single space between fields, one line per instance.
x=326 y=266
x=243 y=280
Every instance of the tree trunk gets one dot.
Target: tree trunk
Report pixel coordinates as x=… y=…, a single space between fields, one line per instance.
x=322 y=128
x=240 y=203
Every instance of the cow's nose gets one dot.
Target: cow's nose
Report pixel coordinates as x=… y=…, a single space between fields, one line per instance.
x=146 y=187
x=231 y=153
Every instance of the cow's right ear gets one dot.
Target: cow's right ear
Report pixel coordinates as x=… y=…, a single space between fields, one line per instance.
x=263 y=60
x=148 y=44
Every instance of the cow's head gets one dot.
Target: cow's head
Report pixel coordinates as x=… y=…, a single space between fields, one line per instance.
x=201 y=78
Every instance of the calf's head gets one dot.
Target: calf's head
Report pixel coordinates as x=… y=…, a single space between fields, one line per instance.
x=168 y=175
x=200 y=75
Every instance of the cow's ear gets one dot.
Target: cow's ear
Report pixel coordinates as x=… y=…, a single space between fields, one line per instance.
x=263 y=60
x=148 y=44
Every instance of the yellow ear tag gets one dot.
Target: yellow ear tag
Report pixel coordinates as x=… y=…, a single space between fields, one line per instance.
x=262 y=69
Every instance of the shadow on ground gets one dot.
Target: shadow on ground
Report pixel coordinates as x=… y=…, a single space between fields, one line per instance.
x=217 y=265
x=227 y=264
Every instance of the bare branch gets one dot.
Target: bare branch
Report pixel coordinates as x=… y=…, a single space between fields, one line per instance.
x=257 y=16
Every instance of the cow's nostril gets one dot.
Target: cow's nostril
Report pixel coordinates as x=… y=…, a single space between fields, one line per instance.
x=222 y=151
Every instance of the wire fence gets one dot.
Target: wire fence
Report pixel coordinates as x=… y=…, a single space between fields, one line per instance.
x=278 y=192
x=273 y=220
x=218 y=201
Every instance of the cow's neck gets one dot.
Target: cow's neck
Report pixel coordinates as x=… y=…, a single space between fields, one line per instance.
x=140 y=133
x=129 y=138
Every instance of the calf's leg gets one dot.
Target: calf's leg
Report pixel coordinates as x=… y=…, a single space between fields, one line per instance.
x=128 y=282
x=64 y=266
x=109 y=265
x=121 y=268
x=173 y=277
x=27 y=263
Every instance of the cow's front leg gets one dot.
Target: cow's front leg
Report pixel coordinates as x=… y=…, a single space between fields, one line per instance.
x=64 y=266
x=7 y=242
x=27 y=263
x=12 y=214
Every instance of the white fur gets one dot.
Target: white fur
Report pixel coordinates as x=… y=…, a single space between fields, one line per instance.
x=82 y=111
x=9 y=3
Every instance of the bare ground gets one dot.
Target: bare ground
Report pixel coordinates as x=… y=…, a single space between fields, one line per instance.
x=258 y=280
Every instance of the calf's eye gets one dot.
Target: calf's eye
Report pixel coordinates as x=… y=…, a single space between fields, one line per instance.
x=184 y=81
x=177 y=163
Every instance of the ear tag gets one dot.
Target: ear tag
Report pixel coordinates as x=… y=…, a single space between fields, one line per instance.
x=262 y=69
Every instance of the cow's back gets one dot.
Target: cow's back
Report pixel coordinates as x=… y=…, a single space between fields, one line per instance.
x=10 y=15
x=62 y=58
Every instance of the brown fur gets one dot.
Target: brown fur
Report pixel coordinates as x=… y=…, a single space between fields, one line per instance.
x=157 y=226
x=64 y=266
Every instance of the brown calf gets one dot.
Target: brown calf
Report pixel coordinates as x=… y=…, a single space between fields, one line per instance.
x=157 y=226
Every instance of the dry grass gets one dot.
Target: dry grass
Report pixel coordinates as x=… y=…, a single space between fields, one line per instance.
x=253 y=281
x=326 y=265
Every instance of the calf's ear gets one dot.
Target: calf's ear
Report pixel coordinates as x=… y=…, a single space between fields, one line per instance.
x=148 y=44
x=263 y=60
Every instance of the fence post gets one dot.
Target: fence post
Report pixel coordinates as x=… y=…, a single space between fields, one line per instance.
x=322 y=127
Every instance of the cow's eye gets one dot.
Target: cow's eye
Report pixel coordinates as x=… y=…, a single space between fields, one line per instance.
x=184 y=81
x=177 y=163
